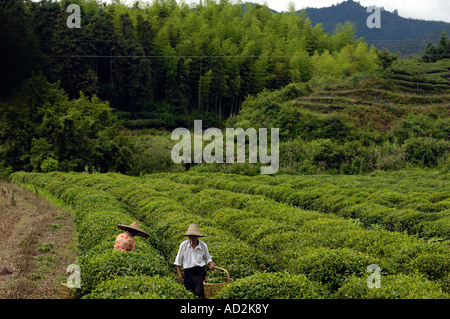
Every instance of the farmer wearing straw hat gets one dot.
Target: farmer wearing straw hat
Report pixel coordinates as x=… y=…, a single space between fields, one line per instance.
x=193 y=255
x=125 y=240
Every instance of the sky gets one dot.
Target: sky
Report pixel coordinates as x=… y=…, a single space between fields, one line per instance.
x=438 y=10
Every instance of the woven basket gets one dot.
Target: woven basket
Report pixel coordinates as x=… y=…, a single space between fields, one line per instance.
x=66 y=292
x=211 y=289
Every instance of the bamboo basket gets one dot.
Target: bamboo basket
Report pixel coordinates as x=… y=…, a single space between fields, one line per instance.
x=211 y=289
x=66 y=292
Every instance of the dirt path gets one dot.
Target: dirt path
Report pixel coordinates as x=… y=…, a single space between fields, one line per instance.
x=37 y=244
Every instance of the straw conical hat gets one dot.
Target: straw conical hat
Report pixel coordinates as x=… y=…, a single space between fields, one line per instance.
x=193 y=230
x=134 y=226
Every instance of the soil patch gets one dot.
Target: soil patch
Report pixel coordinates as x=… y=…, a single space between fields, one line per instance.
x=38 y=243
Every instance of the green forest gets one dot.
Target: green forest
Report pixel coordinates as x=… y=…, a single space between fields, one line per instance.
x=103 y=97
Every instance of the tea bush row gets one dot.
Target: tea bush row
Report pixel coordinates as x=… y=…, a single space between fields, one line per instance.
x=419 y=213
x=328 y=265
x=97 y=215
x=247 y=231
x=328 y=249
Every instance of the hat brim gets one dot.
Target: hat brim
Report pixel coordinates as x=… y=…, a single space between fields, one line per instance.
x=140 y=232
x=194 y=234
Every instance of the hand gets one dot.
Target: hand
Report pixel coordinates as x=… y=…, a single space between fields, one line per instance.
x=180 y=278
x=212 y=266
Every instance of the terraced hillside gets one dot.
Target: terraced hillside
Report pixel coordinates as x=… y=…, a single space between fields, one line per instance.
x=361 y=124
x=378 y=104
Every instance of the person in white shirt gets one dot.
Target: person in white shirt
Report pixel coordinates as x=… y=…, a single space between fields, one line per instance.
x=193 y=255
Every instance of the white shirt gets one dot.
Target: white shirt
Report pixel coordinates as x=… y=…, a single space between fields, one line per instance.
x=190 y=257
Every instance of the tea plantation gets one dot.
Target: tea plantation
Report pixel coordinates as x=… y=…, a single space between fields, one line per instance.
x=283 y=236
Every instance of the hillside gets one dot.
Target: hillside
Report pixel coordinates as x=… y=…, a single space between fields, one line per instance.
x=360 y=124
x=397 y=34
x=349 y=126
x=380 y=104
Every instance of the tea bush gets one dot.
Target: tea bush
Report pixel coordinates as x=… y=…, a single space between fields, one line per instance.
x=368 y=203
x=318 y=231
x=98 y=225
x=109 y=265
x=277 y=285
x=434 y=266
x=140 y=287
x=332 y=267
x=392 y=287
x=260 y=222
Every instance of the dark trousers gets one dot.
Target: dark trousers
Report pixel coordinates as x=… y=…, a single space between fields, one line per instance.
x=193 y=280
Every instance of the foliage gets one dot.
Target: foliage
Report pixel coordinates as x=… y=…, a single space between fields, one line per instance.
x=166 y=53
x=140 y=287
x=16 y=32
x=392 y=287
x=108 y=265
x=433 y=54
x=252 y=226
x=356 y=125
x=342 y=106
x=49 y=165
x=152 y=153
x=273 y=286
x=41 y=129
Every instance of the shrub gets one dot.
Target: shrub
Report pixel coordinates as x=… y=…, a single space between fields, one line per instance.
x=99 y=225
x=278 y=285
x=239 y=258
x=438 y=228
x=332 y=267
x=49 y=165
x=367 y=213
x=407 y=220
x=140 y=287
x=392 y=287
x=434 y=266
x=306 y=198
x=426 y=151
x=96 y=268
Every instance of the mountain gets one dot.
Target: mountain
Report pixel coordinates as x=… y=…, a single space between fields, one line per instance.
x=397 y=34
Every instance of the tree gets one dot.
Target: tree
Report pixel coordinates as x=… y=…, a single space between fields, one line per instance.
x=442 y=51
x=364 y=57
x=19 y=54
x=41 y=122
x=171 y=58
x=430 y=54
x=100 y=32
x=343 y=35
x=442 y=48
x=385 y=58
x=70 y=62
x=130 y=70
x=301 y=67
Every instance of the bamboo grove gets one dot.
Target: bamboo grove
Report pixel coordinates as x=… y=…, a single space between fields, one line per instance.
x=165 y=57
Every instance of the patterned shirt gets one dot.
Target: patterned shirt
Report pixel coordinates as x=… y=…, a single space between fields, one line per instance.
x=125 y=242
